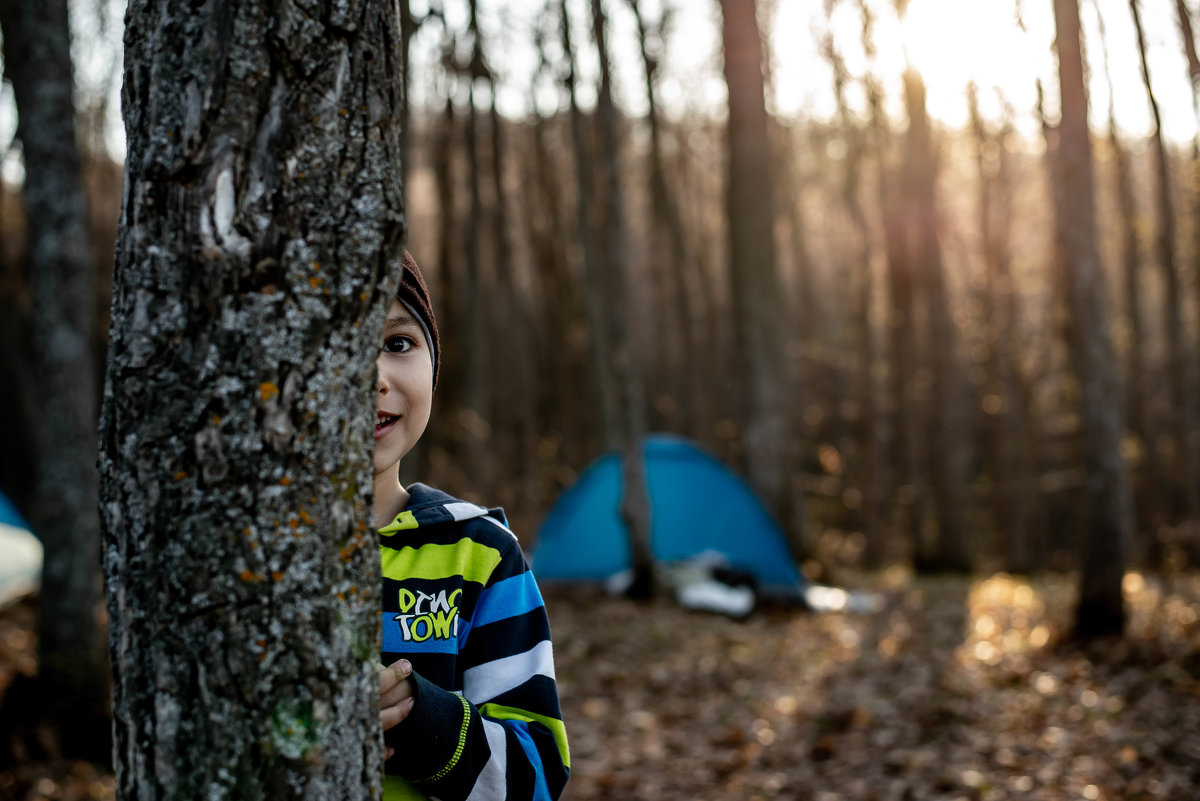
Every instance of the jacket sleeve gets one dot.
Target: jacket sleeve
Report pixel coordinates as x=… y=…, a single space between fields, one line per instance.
x=503 y=737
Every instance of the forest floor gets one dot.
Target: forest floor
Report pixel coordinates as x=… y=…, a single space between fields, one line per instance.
x=955 y=689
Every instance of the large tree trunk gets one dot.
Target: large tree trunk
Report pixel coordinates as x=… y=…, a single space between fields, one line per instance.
x=755 y=290
x=1105 y=545
x=259 y=243
x=71 y=660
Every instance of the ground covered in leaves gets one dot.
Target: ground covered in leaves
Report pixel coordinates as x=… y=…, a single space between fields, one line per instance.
x=955 y=689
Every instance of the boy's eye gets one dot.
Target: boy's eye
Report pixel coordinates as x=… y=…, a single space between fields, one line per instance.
x=398 y=344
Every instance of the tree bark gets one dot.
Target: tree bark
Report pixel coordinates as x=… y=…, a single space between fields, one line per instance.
x=408 y=29
x=689 y=383
x=259 y=247
x=871 y=467
x=946 y=426
x=565 y=385
x=449 y=274
x=1105 y=546
x=475 y=393
x=755 y=289
x=1146 y=481
x=601 y=355
x=1178 y=367
x=907 y=443
x=1012 y=466
x=627 y=365
x=1188 y=34
x=71 y=660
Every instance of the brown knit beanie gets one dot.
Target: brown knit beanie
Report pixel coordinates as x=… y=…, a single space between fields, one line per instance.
x=415 y=296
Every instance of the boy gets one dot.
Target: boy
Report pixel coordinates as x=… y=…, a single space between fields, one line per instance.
x=468 y=701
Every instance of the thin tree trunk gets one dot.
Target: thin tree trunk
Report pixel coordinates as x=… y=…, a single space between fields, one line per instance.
x=635 y=501
x=946 y=427
x=474 y=375
x=408 y=29
x=755 y=289
x=71 y=659
x=593 y=300
x=1105 y=543
x=1178 y=368
x=1146 y=482
x=259 y=247
x=1187 y=31
x=907 y=442
x=1014 y=477
x=515 y=411
x=449 y=273
x=1061 y=539
x=871 y=467
x=565 y=385
x=690 y=384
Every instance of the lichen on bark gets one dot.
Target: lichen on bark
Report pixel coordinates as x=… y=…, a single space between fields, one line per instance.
x=260 y=233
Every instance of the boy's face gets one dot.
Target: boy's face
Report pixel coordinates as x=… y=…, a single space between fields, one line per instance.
x=405 y=391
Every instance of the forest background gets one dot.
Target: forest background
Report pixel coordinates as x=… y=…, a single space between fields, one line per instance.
x=915 y=301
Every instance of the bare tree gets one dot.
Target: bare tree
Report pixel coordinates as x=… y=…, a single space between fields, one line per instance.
x=758 y=311
x=585 y=222
x=476 y=395
x=259 y=246
x=670 y=226
x=948 y=551
x=563 y=387
x=871 y=465
x=1187 y=33
x=1178 y=367
x=1105 y=546
x=635 y=501
x=607 y=301
x=1005 y=402
x=907 y=442
x=71 y=661
x=1146 y=481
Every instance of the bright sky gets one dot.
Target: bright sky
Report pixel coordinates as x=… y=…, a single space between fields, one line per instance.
x=951 y=42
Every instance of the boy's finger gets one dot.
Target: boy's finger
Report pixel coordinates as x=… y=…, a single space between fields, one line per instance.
x=390 y=716
x=396 y=694
x=393 y=674
x=388 y=752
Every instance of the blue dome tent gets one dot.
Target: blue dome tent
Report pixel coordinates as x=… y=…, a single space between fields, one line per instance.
x=698 y=509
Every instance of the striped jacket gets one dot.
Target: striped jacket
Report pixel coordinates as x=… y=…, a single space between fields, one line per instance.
x=460 y=604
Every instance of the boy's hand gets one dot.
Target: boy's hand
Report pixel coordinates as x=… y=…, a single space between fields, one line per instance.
x=395 y=696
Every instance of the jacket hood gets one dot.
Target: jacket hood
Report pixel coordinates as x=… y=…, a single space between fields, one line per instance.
x=428 y=507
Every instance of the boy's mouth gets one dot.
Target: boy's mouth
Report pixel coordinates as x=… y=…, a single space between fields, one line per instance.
x=384 y=422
